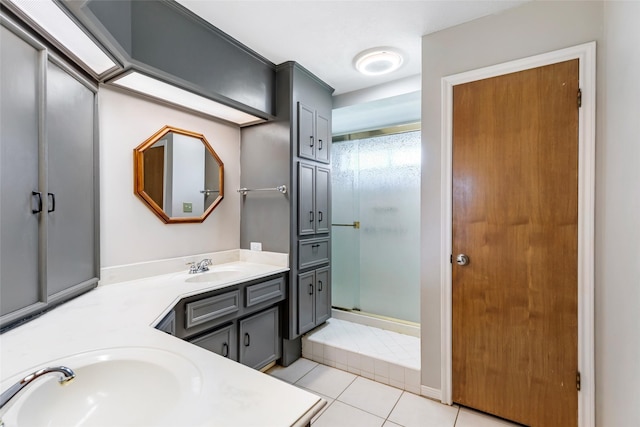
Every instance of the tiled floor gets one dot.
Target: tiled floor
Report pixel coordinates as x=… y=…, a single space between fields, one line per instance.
x=377 y=354
x=355 y=401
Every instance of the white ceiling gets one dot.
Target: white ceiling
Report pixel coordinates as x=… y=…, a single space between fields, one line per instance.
x=324 y=35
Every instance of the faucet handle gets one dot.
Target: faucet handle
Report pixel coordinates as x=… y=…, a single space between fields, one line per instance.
x=192 y=267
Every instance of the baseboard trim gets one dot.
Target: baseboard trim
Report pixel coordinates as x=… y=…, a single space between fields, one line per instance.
x=431 y=393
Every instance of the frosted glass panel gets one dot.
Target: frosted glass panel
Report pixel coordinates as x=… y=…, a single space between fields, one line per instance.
x=381 y=175
x=345 y=241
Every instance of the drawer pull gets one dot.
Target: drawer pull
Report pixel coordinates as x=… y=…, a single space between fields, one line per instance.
x=319 y=216
x=311 y=216
x=311 y=141
x=310 y=289
x=225 y=349
x=247 y=340
x=319 y=285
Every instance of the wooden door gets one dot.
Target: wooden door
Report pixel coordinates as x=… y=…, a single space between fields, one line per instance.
x=515 y=215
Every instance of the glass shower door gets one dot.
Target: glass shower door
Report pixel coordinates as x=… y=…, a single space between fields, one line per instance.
x=345 y=246
x=376 y=181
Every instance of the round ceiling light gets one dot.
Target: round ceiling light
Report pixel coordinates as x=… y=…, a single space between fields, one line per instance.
x=377 y=61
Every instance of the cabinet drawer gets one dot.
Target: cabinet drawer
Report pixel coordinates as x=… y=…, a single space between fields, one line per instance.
x=270 y=291
x=221 y=341
x=211 y=308
x=313 y=252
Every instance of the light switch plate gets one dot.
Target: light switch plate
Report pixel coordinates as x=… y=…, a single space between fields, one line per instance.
x=187 y=207
x=256 y=246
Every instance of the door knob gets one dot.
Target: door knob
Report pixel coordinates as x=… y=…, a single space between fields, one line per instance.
x=462 y=259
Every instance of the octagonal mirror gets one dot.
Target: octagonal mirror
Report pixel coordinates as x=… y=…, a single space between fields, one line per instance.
x=178 y=175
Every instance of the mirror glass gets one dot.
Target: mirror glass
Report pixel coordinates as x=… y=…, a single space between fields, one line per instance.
x=178 y=175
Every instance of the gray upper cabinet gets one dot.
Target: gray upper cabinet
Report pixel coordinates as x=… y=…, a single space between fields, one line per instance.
x=20 y=66
x=71 y=258
x=48 y=213
x=313 y=199
x=313 y=134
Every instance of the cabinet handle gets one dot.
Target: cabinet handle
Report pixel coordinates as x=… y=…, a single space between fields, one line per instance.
x=311 y=217
x=53 y=202
x=247 y=340
x=310 y=288
x=311 y=141
x=225 y=349
x=39 y=209
x=319 y=285
x=319 y=144
x=316 y=245
x=319 y=216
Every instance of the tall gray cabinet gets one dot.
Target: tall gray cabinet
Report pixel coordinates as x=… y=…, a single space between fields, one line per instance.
x=293 y=149
x=48 y=178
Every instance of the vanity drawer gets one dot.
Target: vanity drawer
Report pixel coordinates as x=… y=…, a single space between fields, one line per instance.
x=313 y=252
x=211 y=308
x=266 y=292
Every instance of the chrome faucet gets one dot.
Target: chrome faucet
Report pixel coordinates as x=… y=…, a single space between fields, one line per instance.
x=200 y=267
x=11 y=392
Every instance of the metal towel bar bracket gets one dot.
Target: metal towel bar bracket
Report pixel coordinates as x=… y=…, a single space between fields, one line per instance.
x=280 y=188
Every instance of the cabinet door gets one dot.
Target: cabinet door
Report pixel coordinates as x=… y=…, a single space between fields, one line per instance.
x=306 y=136
x=306 y=305
x=19 y=92
x=70 y=208
x=323 y=136
x=221 y=341
x=322 y=200
x=323 y=295
x=306 y=199
x=260 y=339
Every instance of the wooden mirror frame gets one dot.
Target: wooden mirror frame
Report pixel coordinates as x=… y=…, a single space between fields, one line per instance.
x=138 y=176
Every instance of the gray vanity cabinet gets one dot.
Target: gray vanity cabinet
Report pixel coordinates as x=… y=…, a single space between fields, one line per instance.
x=48 y=198
x=314 y=298
x=260 y=338
x=314 y=134
x=241 y=321
x=313 y=199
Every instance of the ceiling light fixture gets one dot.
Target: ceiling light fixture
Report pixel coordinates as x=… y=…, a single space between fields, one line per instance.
x=378 y=61
x=158 y=89
x=48 y=16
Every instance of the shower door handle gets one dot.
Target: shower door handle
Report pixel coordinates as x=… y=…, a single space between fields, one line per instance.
x=356 y=225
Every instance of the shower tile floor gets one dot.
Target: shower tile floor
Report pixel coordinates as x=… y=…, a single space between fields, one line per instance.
x=383 y=356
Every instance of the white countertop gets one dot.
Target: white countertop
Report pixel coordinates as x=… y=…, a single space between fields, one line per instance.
x=123 y=314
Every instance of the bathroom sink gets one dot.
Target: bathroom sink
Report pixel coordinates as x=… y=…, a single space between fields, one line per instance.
x=120 y=386
x=216 y=275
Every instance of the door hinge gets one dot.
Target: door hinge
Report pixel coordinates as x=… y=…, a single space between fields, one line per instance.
x=578 y=380
x=579 y=98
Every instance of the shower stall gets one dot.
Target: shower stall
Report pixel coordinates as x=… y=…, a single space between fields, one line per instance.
x=376 y=224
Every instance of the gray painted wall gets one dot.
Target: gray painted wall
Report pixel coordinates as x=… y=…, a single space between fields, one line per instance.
x=531 y=29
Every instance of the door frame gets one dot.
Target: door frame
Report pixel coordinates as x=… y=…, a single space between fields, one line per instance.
x=586 y=54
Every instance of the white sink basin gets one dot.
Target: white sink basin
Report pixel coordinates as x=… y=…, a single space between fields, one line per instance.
x=216 y=275
x=114 y=387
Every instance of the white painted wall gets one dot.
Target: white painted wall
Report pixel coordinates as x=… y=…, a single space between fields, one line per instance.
x=618 y=220
x=129 y=231
x=531 y=29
